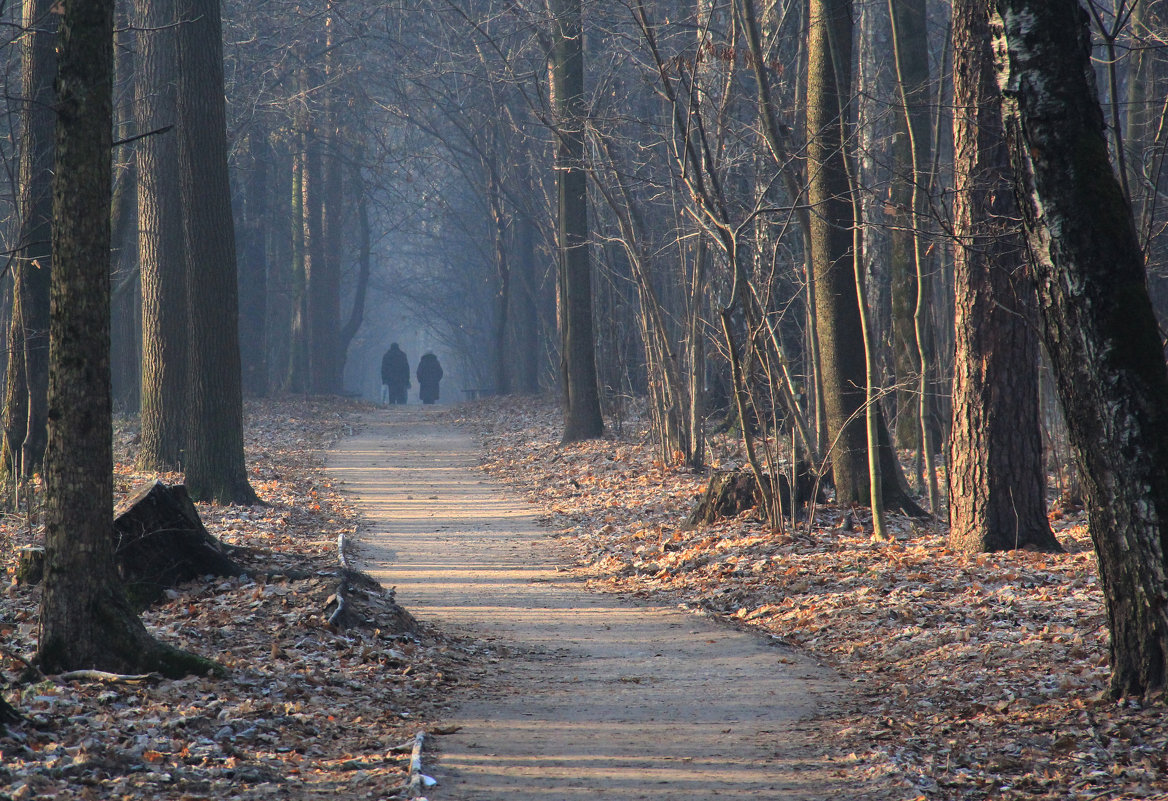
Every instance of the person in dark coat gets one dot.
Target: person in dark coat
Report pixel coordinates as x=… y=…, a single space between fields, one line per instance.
x=429 y=374
x=395 y=375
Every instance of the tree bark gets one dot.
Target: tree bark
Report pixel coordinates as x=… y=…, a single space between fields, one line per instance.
x=253 y=269
x=364 y=263
x=160 y=542
x=582 y=418
x=26 y=384
x=997 y=498
x=324 y=276
x=498 y=215
x=315 y=265
x=126 y=305
x=215 y=468
x=296 y=378
x=85 y=621
x=841 y=340
x=912 y=150
x=1098 y=323
x=15 y=416
x=160 y=242
x=527 y=351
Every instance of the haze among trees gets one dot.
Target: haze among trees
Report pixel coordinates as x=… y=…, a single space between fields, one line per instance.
x=911 y=246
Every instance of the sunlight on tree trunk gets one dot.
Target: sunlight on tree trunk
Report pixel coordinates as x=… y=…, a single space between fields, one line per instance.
x=582 y=419
x=997 y=498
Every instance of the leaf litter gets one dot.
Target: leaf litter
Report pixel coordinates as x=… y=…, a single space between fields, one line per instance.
x=975 y=676
x=306 y=711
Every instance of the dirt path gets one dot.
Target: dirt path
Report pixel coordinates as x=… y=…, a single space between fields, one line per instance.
x=597 y=696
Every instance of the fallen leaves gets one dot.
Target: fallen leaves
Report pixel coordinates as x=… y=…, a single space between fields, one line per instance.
x=305 y=712
x=977 y=677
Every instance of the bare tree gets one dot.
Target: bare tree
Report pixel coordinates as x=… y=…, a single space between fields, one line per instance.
x=85 y=620
x=26 y=384
x=160 y=241
x=582 y=419
x=997 y=498
x=215 y=468
x=1098 y=324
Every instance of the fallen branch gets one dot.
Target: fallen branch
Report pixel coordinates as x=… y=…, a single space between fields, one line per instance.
x=402 y=748
x=108 y=678
x=418 y=780
x=336 y=618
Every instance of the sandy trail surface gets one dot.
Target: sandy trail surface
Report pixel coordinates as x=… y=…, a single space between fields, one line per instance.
x=595 y=696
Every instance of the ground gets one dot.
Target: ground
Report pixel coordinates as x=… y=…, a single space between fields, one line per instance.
x=307 y=711
x=594 y=695
x=973 y=677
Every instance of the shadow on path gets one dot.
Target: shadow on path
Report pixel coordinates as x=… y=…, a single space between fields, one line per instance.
x=597 y=697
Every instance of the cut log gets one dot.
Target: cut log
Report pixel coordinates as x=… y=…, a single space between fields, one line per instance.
x=732 y=492
x=161 y=542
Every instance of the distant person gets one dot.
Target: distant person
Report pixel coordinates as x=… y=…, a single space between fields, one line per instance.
x=395 y=375
x=429 y=374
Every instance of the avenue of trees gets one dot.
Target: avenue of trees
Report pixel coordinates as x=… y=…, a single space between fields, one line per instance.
x=863 y=236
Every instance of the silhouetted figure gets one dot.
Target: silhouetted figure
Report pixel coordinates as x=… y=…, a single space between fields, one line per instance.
x=429 y=374
x=395 y=375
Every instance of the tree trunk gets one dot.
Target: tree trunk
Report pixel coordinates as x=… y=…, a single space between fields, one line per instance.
x=85 y=621
x=495 y=204
x=1098 y=323
x=296 y=377
x=126 y=301
x=997 y=498
x=324 y=278
x=526 y=355
x=215 y=468
x=582 y=418
x=26 y=385
x=729 y=493
x=364 y=264
x=279 y=219
x=841 y=339
x=253 y=269
x=125 y=312
x=1146 y=141
x=160 y=243
x=315 y=264
x=913 y=151
x=15 y=417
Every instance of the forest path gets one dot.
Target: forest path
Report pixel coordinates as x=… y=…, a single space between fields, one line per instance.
x=595 y=696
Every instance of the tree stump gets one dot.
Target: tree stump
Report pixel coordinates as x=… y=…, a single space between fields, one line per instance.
x=161 y=542
x=30 y=564
x=360 y=600
x=732 y=492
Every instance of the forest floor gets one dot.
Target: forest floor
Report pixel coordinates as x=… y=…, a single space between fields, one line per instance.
x=973 y=677
x=307 y=711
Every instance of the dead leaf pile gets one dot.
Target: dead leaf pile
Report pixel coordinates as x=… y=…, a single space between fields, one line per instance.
x=976 y=676
x=306 y=711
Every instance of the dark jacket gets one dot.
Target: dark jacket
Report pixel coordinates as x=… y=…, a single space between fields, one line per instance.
x=395 y=369
x=429 y=374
